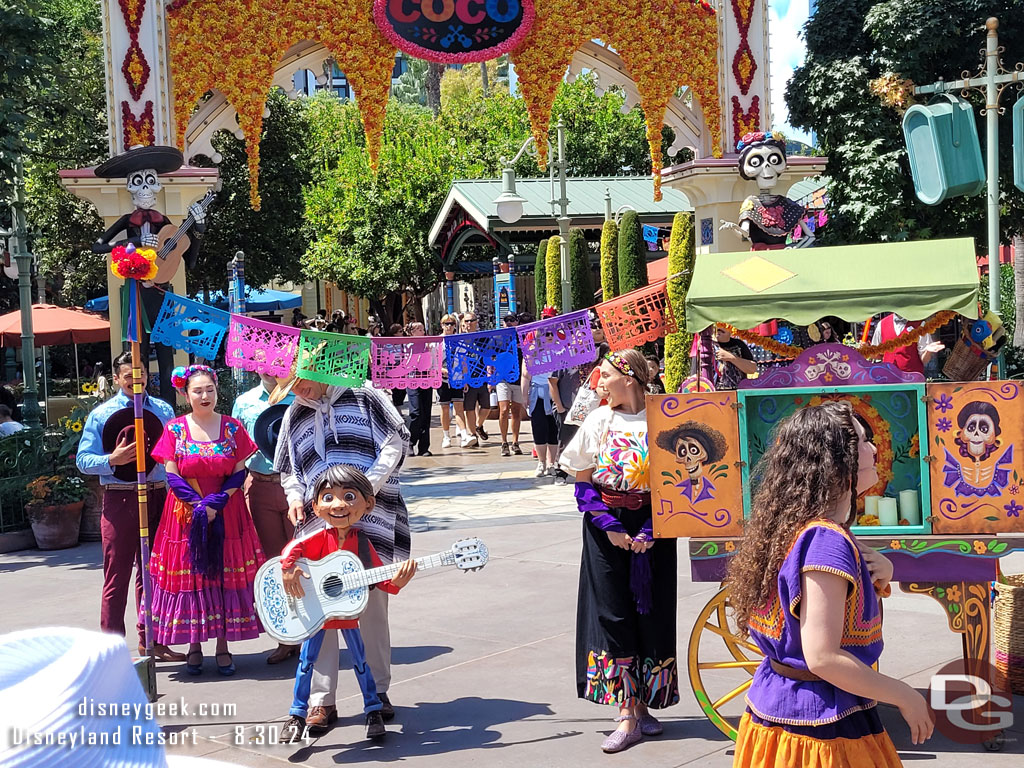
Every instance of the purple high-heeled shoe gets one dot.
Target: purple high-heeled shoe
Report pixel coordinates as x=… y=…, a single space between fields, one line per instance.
x=620 y=740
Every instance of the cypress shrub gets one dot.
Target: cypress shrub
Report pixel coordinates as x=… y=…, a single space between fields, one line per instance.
x=609 y=260
x=554 y=267
x=682 y=256
x=579 y=271
x=540 y=276
x=632 y=254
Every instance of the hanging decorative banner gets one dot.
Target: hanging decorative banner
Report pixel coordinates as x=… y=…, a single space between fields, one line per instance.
x=639 y=316
x=333 y=358
x=650 y=233
x=191 y=326
x=454 y=31
x=557 y=343
x=406 y=362
x=262 y=347
x=481 y=358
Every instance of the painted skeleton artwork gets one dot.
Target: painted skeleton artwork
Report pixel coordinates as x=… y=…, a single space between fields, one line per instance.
x=973 y=472
x=695 y=446
x=767 y=219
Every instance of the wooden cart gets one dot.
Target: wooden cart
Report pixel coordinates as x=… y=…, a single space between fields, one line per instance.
x=965 y=493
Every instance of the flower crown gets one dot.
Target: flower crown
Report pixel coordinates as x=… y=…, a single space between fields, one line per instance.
x=620 y=363
x=758 y=137
x=181 y=375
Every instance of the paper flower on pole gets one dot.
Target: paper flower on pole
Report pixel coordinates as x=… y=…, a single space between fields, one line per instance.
x=131 y=263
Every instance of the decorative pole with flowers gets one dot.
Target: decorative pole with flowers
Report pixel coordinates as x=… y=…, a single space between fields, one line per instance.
x=133 y=264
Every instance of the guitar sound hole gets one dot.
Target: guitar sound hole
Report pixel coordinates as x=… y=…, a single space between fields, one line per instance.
x=333 y=585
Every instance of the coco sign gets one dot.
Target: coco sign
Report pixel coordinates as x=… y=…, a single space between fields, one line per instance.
x=454 y=31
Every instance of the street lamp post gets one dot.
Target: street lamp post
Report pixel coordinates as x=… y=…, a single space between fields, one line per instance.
x=30 y=406
x=991 y=80
x=509 y=204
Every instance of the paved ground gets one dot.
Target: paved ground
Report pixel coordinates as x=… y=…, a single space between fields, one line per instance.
x=483 y=662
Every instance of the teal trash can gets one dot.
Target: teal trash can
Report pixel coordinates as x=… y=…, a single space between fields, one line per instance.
x=945 y=154
x=1018 y=144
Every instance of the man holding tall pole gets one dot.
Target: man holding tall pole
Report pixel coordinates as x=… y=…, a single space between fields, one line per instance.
x=119 y=524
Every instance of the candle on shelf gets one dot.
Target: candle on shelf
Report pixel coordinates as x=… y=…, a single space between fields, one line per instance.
x=871 y=505
x=887 y=514
x=909 y=509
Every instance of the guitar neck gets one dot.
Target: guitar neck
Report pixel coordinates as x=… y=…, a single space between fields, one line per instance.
x=385 y=572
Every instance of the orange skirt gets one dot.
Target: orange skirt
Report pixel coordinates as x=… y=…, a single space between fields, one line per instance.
x=857 y=741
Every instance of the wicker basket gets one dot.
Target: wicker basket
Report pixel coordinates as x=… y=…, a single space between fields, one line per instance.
x=1009 y=633
x=963 y=364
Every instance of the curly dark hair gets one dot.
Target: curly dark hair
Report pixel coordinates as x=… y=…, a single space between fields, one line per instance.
x=811 y=464
x=711 y=439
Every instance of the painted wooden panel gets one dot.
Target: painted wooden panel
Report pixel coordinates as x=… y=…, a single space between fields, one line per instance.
x=976 y=439
x=695 y=464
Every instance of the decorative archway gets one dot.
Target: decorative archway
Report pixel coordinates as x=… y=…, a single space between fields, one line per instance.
x=701 y=67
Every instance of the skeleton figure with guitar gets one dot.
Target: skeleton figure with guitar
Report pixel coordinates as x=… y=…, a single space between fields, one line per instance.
x=147 y=227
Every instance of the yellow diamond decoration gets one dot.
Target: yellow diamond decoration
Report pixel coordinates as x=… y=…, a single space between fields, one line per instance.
x=758 y=274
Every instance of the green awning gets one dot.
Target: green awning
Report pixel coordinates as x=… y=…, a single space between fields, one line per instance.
x=914 y=279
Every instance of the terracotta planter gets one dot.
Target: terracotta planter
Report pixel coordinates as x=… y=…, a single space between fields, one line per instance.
x=92 y=511
x=56 y=527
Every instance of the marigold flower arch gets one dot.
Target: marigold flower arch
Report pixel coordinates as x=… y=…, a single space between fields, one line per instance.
x=234 y=46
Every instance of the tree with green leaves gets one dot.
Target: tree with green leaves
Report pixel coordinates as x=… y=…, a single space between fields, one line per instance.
x=682 y=257
x=411 y=86
x=632 y=262
x=850 y=43
x=579 y=270
x=64 y=127
x=369 y=231
x=609 y=260
x=274 y=238
x=553 y=267
x=540 y=276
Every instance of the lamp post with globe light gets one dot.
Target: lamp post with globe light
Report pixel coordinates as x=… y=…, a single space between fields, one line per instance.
x=509 y=205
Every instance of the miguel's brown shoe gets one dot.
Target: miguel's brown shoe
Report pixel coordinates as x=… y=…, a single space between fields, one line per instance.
x=163 y=653
x=319 y=719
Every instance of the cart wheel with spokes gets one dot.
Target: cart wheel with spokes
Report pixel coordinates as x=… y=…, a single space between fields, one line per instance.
x=721 y=665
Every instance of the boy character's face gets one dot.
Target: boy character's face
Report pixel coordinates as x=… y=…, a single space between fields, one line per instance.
x=341 y=508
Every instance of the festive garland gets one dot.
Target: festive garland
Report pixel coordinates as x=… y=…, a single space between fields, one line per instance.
x=233 y=46
x=790 y=352
x=744 y=66
x=135 y=69
x=137 y=130
x=745 y=122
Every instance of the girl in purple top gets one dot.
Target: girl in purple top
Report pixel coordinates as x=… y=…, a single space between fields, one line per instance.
x=806 y=593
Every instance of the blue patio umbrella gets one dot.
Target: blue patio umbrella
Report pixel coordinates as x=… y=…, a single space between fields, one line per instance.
x=256 y=300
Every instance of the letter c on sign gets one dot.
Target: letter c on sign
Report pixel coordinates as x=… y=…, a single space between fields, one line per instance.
x=468 y=17
x=511 y=9
x=447 y=9
x=397 y=10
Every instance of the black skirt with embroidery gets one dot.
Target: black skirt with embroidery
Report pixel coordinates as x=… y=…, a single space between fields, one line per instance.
x=623 y=656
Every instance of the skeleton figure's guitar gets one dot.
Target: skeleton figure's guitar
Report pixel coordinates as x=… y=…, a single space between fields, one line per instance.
x=338 y=588
x=174 y=241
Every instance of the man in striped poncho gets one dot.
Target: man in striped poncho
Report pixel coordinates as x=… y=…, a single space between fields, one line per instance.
x=357 y=426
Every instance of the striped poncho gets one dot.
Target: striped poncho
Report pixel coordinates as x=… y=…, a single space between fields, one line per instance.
x=357 y=426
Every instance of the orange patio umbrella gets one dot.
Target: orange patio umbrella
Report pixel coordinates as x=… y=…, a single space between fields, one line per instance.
x=54 y=326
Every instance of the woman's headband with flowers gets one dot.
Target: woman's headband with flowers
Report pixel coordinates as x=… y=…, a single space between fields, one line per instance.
x=621 y=365
x=181 y=375
x=761 y=138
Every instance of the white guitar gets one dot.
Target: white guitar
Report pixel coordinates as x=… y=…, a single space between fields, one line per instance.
x=338 y=588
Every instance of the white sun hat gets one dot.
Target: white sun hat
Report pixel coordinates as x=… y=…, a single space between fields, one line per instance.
x=72 y=697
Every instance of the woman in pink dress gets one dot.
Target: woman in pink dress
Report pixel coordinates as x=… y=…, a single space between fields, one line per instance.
x=206 y=552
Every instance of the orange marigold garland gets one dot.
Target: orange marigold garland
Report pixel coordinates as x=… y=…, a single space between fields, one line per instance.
x=234 y=46
x=871 y=352
x=663 y=45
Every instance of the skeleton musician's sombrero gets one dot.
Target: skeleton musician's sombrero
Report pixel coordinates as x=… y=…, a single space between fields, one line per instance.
x=159 y=159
